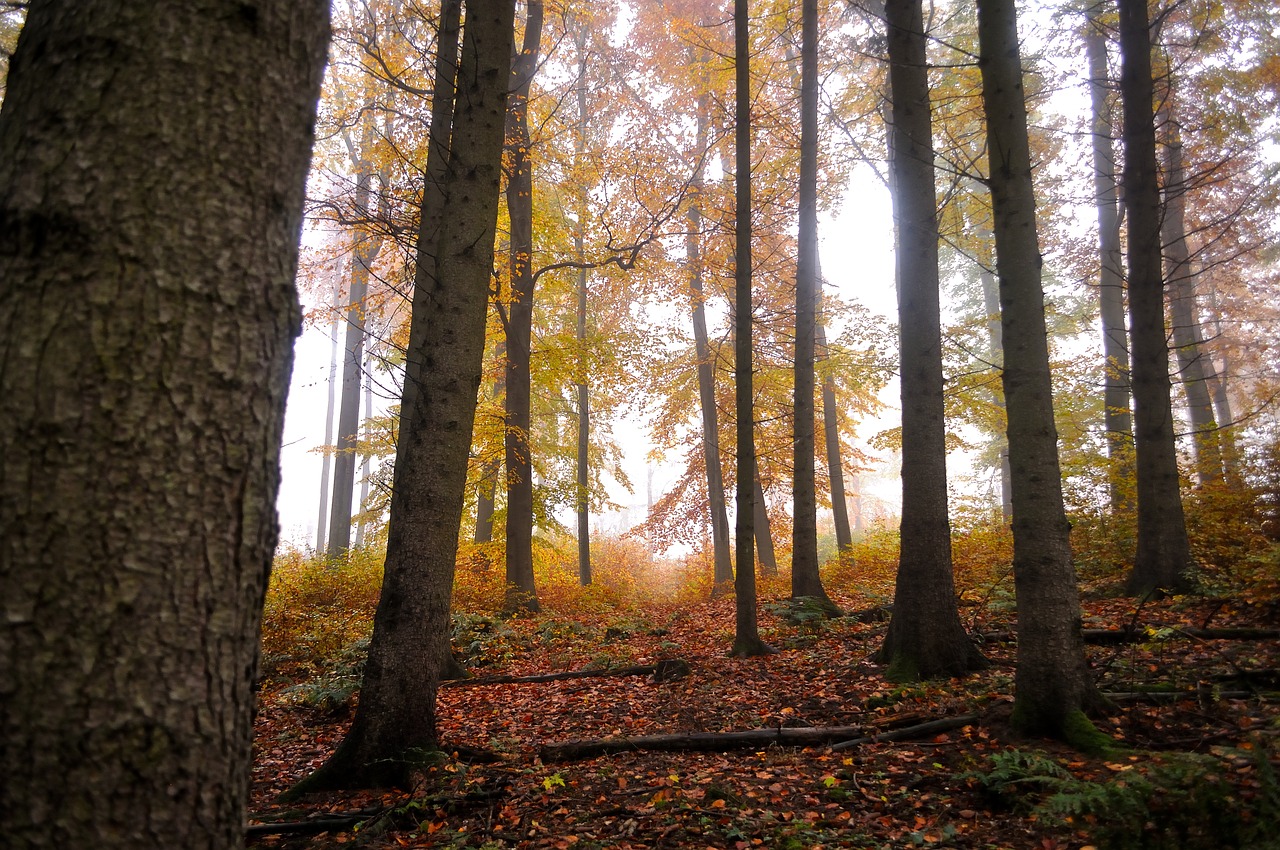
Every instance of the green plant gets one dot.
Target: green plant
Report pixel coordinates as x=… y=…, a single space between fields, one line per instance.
x=1016 y=774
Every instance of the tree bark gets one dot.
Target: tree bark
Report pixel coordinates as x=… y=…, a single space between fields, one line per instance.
x=1163 y=561
x=322 y=527
x=806 y=582
x=152 y=163
x=362 y=524
x=746 y=639
x=1053 y=684
x=835 y=465
x=722 y=558
x=583 y=378
x=396 y=720
x=1117 y=418
x=925 y=638
x=521 y=592
x=765 y=555
x=995 y=335
x=1194 y=367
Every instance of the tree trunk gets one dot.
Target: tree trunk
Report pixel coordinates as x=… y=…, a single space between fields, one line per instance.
x=486 y=488
x=1194 y=366
x=395 y=720
x=1163 y=560
x=583 y=387
x=1053 y=684
x=925 y=638
x=835 y=466
x=765 y=555
x=362 y=523
x=322 y=528
x=995 y=355
x=722 y=558
x=746 y=639
x=1117 y=419
x=344 y=459
x=806 y=582
x=151 y=192
x=521 y=593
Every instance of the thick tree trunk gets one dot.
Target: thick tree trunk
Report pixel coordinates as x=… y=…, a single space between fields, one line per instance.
x=925 y=637
x=746 y=639
x=322 y=522
x=721 y=554
x=521 y=593
x=806 y=581
x=1194 y=367
x=1117 y=418
x=151 y=191
x=396 y=719
x=1053 y=684
x=1163 y=560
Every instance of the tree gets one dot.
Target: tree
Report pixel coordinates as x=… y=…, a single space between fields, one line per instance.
x=746 y=639
x=1117 y=417
x=322 y=536
x=396 y=719
x=1163 y=559
x=522 y=594
x=925 y=637
x=151 y=193
x=806 y=582
x=1053 y=685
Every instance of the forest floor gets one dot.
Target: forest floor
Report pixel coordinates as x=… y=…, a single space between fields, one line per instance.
x=1179 y=694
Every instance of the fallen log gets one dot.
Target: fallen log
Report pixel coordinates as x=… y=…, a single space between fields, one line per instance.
x=1115 y=637
x=663 y=671
x=803 y=736
x=908 y=733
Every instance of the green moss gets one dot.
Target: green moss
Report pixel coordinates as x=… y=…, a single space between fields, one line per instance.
x=1078 y=731
x=903 y=668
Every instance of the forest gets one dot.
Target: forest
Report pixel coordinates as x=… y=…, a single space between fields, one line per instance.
x=996 y=566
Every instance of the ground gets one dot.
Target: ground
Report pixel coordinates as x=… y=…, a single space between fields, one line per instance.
x=1176 y=694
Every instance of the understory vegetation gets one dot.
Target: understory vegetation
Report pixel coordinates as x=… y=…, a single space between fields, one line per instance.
x=1194 y=725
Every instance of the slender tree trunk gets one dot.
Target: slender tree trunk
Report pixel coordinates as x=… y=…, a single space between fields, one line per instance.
x=322 y=528
x=1194 y=366
x=486 y=488
x=722 y=558
x=806 y=582
x=1221 y=398
x=151 y=193
x=1053 y=685
x=396 y=720
x=835 y=465
x=1117 y=419
x=746 y=640
x=364 y=462
x=925 y=638
x=765 y=555
x=344 y=463
x=522 y=593
x=995 y=355
x=1163 y=560
x=583 y=388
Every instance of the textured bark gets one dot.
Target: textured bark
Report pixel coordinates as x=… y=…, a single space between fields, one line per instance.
x=746 y=639
x=805 y=578
x=1052 y=682
x=1117 y=418
x=521 y=593
x=1194 y=367
x=1163 y=560
x=721 y=555
x=396 y=719
x=925 y=637
x=152 y=163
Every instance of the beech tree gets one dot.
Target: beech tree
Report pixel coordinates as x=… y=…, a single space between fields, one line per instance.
x=395 y=721
x=151 y=193
x=1163 y=560
x=1053 y=685
x=925 y=637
